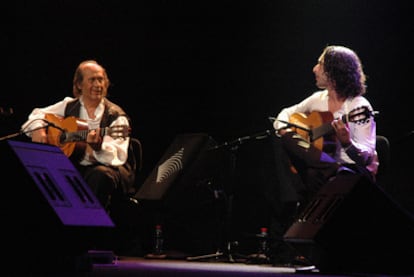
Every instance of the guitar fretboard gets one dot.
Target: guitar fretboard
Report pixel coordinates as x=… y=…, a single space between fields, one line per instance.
x=81 y=135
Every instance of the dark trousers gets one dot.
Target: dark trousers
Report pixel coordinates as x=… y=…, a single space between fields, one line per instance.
x=110 y=186
x=293 y=190
x=106 y=182
x=314 y=168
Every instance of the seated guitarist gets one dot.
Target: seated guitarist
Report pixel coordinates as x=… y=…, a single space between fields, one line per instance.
x=341 y=80
x=102 y=159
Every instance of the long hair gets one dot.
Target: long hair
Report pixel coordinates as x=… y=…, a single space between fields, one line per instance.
x=344 y=69
x=78 y=77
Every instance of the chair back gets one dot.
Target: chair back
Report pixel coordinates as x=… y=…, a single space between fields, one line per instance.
x=135 y=159
x=384 y=157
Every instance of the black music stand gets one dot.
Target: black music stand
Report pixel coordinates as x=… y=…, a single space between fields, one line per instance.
x=228 y=243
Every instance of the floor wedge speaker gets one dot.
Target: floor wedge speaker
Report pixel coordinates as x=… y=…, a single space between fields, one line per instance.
x=352 y=225
x=47 y=208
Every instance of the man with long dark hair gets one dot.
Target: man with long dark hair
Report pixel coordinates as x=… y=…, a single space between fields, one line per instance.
x=330 y=132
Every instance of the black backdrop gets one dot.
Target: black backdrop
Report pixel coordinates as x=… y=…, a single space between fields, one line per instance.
x=218 y=67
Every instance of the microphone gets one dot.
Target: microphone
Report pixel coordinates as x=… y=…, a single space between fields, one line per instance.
x=51 y=124
x=62 y=137
x=289 y=124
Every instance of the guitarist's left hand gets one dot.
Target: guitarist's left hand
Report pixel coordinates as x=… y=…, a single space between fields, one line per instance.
x=342 y=132
x=94 y=140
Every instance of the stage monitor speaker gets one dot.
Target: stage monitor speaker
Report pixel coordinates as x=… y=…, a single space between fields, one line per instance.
x=47 y=208
x=352 y=225
x=177 y=159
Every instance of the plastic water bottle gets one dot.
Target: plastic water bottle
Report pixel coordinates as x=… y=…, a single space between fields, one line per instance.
x=263 y=237
x=261 y=256
x=158 y=240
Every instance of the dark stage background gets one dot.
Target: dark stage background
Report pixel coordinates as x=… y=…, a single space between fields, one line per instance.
x=215 y=67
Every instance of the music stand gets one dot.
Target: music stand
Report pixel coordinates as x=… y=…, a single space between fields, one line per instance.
x=233 y=147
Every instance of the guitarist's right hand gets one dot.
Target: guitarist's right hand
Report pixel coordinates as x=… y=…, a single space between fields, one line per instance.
x=40 y=135
x=280 y=132
x=94 y=140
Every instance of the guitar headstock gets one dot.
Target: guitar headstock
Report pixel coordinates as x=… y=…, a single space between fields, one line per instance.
x=119 y=131
x=359 y=115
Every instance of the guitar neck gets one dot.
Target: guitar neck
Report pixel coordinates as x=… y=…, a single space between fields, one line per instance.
x=326 y=128
x=81 y=135
x=321 y=131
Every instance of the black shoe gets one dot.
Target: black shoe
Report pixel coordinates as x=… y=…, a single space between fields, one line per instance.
x=302 y=264
x=300 y=261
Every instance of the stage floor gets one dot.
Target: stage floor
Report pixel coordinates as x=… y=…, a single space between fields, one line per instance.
x=106 y=263
x=221 y=266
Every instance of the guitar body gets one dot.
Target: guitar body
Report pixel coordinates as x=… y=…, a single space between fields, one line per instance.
x=311 y=121
x=72 y=141
x=318 y=130
x=70 y=124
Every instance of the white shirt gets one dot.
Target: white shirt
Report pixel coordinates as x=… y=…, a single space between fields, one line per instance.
x=363 y=134
x=114 y=150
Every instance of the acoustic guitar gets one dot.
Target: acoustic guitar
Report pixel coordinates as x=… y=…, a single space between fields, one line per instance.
x=316 y=127
x=67 y=132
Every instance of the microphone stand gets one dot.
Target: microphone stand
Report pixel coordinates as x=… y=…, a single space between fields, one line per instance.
x=233 y=146
x=11 y=135
x=21 y=132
